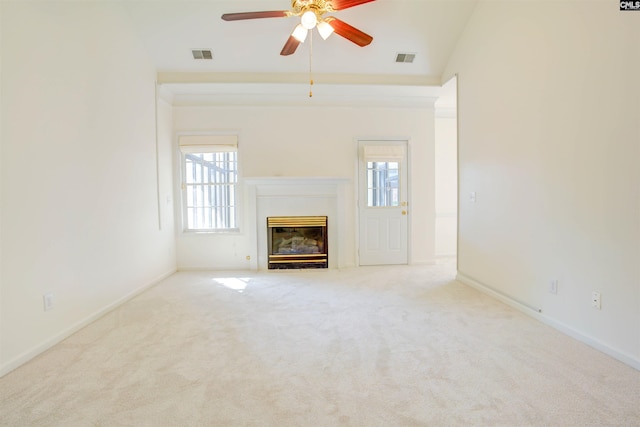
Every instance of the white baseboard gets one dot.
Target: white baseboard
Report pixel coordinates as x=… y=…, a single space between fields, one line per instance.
x=212 y=269
x=48 y=343
x=538 y=315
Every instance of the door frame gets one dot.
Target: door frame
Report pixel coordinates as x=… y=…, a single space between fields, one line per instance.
x=360 y=143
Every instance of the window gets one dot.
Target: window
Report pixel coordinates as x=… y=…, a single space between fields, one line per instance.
x=210 y=180
x=382 y=184
x=383 y=163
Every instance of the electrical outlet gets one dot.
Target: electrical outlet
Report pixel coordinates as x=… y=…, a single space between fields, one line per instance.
x=48 y=301
x=472 y=197
x=553 y=286
x=595 y=300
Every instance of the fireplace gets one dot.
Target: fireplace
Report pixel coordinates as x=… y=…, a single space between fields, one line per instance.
x=296 y=242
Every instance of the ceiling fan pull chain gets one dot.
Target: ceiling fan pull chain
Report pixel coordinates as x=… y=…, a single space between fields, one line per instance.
x=310 y=64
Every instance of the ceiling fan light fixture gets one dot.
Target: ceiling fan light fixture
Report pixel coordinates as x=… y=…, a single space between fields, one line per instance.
x=300 y=33
x=309 y=19
x=311 y=13
x=325 y=29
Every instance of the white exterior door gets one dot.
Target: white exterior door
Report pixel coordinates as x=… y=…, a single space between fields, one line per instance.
x=383 y=207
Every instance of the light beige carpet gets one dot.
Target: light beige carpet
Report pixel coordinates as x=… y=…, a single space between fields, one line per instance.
x=377 y=346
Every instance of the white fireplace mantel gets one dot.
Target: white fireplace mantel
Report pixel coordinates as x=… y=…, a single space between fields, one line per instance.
x=297 y=196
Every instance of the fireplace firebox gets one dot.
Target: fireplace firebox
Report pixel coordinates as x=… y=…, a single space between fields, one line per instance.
x=296 y=242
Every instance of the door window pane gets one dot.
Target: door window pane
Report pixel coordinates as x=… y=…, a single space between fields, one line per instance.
x=382 y=184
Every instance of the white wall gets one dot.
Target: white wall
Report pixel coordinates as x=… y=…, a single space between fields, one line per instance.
x=310 y=142
x=549 y=141
x=446 y=169
x=446 y=158
x=79 y=197
x=1 y=183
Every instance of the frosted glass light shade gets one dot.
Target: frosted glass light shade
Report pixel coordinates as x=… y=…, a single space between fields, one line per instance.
x=324 y=29
x=309 y=20
x=300 y=33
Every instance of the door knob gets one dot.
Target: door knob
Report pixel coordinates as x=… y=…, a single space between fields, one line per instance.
x=404 y=212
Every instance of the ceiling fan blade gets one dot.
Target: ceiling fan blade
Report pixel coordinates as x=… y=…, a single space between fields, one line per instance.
x=348 y=32
x=255 y=15
x=345 y=4
x=290 y=46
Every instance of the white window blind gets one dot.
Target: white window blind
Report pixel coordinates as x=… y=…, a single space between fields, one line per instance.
x=383 y=153
x=208 y=143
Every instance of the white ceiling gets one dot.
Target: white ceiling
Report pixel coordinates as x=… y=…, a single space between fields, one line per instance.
x=246 y=54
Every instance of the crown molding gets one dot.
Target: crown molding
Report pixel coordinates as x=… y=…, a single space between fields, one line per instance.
x=195 y=91
x=297 y=78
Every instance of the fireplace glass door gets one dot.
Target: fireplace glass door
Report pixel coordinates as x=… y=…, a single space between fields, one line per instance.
x=297 y=242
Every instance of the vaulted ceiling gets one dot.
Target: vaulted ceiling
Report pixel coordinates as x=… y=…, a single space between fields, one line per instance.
x=246 y=61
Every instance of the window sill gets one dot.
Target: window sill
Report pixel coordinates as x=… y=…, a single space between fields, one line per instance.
x=233 y=231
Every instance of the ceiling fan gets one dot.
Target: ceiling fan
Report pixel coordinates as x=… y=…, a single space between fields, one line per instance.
x=311 y=13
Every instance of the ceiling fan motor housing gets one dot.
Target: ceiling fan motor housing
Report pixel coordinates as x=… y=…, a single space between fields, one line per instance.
x=319 y=7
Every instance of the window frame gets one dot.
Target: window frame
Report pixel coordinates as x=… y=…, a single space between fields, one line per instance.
x=375 y=191
x=200 y=144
